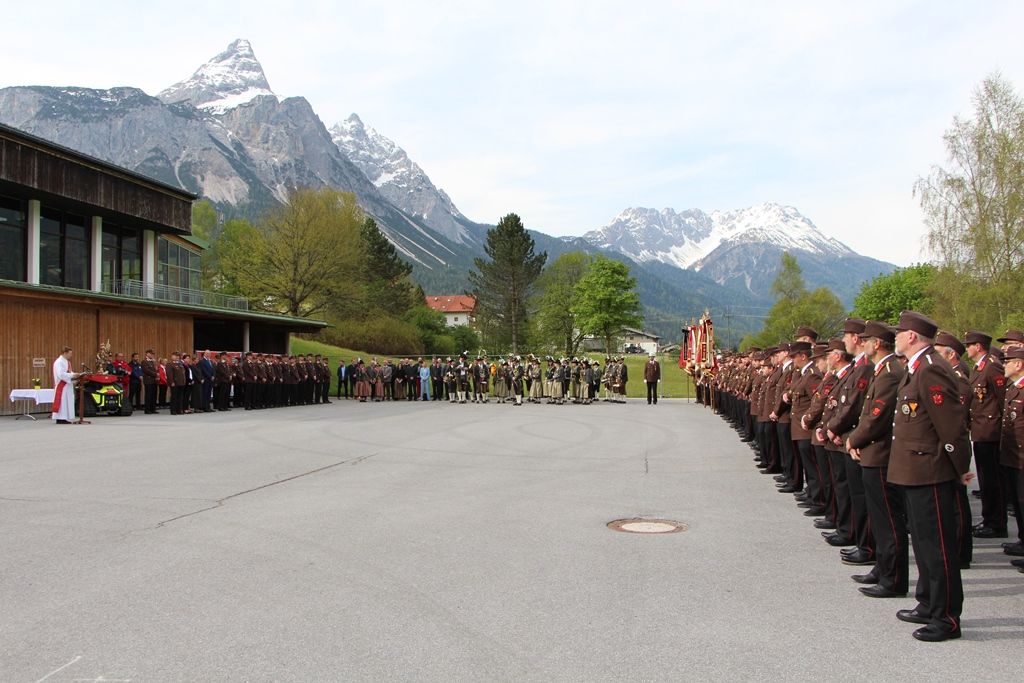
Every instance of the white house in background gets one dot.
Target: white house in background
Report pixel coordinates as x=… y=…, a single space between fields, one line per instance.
x=627 y=338
x=458 y=309
x=645 y=340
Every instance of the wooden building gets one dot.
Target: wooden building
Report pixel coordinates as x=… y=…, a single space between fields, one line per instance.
x=91 y=252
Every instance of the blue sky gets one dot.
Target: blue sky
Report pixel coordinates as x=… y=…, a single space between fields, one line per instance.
x=569 y=112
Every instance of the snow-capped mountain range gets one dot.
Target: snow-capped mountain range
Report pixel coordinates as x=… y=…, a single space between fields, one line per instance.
x=686 y=239
x=225 y=135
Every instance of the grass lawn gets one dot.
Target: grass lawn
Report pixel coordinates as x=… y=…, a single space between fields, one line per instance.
x=674 y=382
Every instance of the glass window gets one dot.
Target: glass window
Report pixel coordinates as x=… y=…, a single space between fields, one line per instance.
x=51 y=269
x=12 y=239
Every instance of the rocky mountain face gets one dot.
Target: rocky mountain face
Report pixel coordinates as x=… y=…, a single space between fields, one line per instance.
x=225 y=135
x=400 y=179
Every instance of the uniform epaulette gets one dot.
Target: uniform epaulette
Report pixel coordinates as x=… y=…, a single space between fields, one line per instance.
x=930 y=362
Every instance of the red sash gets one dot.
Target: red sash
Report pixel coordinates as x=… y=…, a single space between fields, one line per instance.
x=58 y=394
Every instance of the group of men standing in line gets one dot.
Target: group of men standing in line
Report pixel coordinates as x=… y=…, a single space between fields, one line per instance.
x=873 y=434
x=507 y=380
x=252 y=381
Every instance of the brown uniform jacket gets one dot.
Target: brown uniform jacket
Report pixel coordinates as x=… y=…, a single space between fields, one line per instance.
x=150 y=372
x=930 y=443
x=801 y=393
x=819 y=399
x=222 y=374
x=873 y=434
x=652 y=371
x=832 y=403
x=779 y=406
x=1011 y=443
x=176 y=374
x=850 y=394
x=988 y=386
x=770 y=389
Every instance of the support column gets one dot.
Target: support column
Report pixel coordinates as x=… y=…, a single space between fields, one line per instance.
x=245 y=337
x=32 y=272
x=96 y=256
x=148 y=263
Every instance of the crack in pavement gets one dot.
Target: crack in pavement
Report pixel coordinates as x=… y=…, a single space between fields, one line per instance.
x=220 y=502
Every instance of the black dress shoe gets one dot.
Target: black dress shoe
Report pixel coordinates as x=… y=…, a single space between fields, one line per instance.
x=931 y=634
x=787 y=489
x=803 y=503
x=880 y=592
x=1015 y=550
x=781 y=478
x=824 y=524
x=913 y=616
x=861 y=557
x=814 y=512
x=1018 y=563
x=1014 y=544
x=838 y=541
x=868 y=578
x=986 y=532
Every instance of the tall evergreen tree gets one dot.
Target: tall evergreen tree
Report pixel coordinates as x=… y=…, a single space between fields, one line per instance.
x=386 y=275
x=502 y=284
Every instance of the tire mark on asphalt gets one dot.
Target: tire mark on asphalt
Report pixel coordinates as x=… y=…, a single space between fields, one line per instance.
x=220 y=502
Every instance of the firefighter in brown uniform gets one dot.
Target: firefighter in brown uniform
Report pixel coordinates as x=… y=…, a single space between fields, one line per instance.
x=841 y=365
x=769 y=391
x=810 y=419
x=222 y=382
x=1011 y=443
x=806 y=378
x=930 y=455
x=952 y=349
x=850 y=391
x=988 y=384
x=791 y=478
x=869 y=444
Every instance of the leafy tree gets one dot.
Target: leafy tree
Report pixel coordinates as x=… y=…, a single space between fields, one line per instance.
x=887 y=295
x=386 y=275
x=606 y=300
x=557 y=326
x=432 y=328
x=300 y=256
x=795 y=306
x=502 y=285
x=466 y=339
x=204 y=220
x=974 y=209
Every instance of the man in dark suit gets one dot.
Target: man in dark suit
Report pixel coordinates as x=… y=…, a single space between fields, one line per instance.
x=930 y=455
x=206 y=372
x=342 y=380
x=150 y=381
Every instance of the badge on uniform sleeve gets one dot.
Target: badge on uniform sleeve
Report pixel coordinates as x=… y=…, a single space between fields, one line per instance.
x=949 y=448
x=937 y=399
x=879 y=406
x=1000 y=380
x=862 y=384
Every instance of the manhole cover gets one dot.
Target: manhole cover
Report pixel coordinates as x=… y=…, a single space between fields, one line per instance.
x=647 y=526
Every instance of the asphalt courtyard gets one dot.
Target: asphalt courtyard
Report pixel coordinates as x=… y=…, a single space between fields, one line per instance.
x=399 y=541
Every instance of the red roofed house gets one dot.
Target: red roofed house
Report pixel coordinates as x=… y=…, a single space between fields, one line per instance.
x=458 y=309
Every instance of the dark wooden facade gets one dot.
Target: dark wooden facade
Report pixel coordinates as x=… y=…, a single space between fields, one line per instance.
x=78 y=181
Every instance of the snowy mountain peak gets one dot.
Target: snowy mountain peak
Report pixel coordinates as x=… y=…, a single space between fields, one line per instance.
x=686 y=238
x=230 y=79
x=398 y=178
